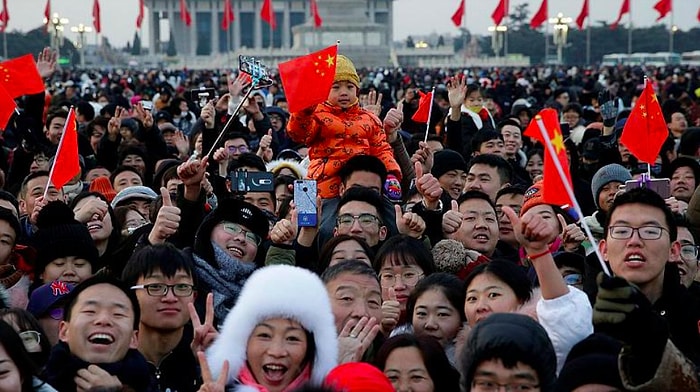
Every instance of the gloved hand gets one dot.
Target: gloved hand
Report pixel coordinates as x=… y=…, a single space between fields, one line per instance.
x=608 y=109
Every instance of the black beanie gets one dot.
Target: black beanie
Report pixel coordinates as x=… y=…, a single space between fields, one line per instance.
x=593 y=360
x=60 y=235
x=446 y=160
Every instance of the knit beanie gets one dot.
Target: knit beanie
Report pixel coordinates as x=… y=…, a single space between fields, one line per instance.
x=446 y=160
x=345 y=71
x=606 y=175
x=594 y=360
x=102 y=186
x=534 y=196
x=60 y=235
x=358 y=377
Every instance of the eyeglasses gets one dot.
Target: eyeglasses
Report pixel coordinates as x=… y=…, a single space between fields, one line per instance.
x=366 y=220
x=161 y=289
x=573 y=279
x=501 y=214
x=490 y=386
x=30 y=339
x=241 y=149
x=41 y=159
x=56 y=313
x=408 y=277
x=645 y=232
x=689 y=252
x=236 y=229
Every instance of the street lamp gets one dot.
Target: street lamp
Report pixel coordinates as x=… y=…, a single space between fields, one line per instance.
x=674 y=29
x=561 y=31
x=57 y=22
x=497 y=34
x=81 y=29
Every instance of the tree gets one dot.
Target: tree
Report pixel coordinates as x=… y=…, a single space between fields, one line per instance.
x=136 y=47
x=172 y=50
x=441 y=41
x=520 y=17
x=409 y=42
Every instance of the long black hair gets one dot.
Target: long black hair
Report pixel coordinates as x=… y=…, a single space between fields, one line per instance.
x=12 y=343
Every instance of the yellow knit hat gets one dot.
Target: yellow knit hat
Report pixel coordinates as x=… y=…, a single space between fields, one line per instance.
x=345 y=71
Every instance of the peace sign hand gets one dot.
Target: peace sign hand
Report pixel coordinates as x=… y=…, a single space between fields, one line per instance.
x=204 y=334
x=208 y=382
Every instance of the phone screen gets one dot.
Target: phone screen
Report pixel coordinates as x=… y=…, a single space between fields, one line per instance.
x=305 y=201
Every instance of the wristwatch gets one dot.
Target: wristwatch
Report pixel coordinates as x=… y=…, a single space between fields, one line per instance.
x=439 y=207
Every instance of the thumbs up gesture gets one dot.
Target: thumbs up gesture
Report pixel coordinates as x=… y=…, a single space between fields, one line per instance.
x=264 y=150
x=452 y=219
x=285 y=230
x=391 y=310
x=167 y=221
x=428 y=186
x=409 y=223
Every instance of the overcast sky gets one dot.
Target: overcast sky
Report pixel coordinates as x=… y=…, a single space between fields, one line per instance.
x=412 y=17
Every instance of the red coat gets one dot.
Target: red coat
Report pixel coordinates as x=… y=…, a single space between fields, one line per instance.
x=335 y=135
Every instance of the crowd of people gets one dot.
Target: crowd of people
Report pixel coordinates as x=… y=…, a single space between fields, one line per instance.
x=431 y=263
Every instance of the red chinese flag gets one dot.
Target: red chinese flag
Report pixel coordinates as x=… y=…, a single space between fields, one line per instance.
x=228 y=15
x=19 y=76
x=96 y=16
x=66 y=165
x=554 y=190
x=7 y=107
x=645 y=130
x=314 y=12
x=583 y=15
x=185 y=16
x=47 y=15
x=422 y=115
x=663 y=7
x=500 y=12
x=459 y=14
x=625 y=8
x=307 y=79
x=540 y=17
x=139 y=18
x=268 y=14
x=4 y=16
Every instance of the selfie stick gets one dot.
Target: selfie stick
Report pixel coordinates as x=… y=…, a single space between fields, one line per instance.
x=430 y=111
x=570 y=191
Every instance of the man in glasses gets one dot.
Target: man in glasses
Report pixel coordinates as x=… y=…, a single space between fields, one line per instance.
x=163 y=279
x=687 y=258
x=46 y=304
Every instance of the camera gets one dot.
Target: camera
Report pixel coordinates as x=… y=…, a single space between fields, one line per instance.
x=202 y=95
x=244 y=181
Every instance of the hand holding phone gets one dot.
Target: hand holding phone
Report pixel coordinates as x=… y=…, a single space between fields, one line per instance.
x=305 y=200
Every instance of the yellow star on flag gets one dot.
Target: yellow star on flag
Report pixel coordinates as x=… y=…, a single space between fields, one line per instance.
x=558 y=141
x=330 y=61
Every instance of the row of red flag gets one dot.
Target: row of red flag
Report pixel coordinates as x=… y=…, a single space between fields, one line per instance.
x=663 y=7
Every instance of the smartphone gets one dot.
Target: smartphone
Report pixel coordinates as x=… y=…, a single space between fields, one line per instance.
x=662 y=186
x=243 y=181
x=202 y=95
x=147 y=105
x=305 y=200
x=565 y=130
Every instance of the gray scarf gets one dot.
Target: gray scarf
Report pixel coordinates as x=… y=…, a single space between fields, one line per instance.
x=224 y=282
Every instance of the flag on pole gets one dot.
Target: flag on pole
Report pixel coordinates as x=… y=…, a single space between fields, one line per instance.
x=96 y=16
x=267 y=13
x=139 y=18
x=185 y=16
x=228 y=15
x=307 y=80
x=47 y=15
x=624 y=9
x=458 y=16
x=422 y=115
x=663 y=7
x=553 y=188
x=314 y=12
x=540 y=17
x=500 y=12
x=7 y=107
x=66 y=165
x=4 y=16
x=645 y=130
x=583 y=15
x=19 y=76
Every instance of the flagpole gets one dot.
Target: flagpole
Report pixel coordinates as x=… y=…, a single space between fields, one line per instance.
x=546 y=34
x=58 y=150
x=430 y=111
x=588 y=38
x=570 y=192
x=670 y=32
x=272 y=12
x=629 y=31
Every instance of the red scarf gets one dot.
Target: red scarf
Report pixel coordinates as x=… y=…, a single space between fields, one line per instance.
x=246 y=378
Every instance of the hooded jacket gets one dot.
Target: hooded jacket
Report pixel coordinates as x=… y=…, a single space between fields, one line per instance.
x=274 y=292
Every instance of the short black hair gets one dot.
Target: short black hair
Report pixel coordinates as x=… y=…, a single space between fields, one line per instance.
x=5 y=195
x=484 y=136
x=102 y=279
x=510 y=190
x=505 y=170
x=647 y=197
x=448 y=284
x=165 y=258
x=29 y=177
x=56 y=113
x=324 y=257
x=506 y=271
x=509 y=121
x=354 y=267
x=573 y=106
x=479 y=195
x=247 y=159
x=362 y=194
x=122 y=169
x=367 y=163
x=402 y=250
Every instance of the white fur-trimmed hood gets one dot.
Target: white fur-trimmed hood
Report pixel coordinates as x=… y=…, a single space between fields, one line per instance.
x=277 y=291
x=278 y=164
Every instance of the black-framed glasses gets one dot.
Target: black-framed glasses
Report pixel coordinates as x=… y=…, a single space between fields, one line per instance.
x=161 y=289
x=366 y=220
x=645 y=232
x=689 y=252
x=235 y=229
x=492 y=386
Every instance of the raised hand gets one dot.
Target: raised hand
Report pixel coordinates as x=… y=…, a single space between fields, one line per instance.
x=452 y=219
x=208 y=382
x=192 y=172
x=409 y=223
x=572 y=235
x=423 y=155
x=182 y=143
x=393 y=119
x=238 y=84
x=208 y=113
x=39 y=203
x=204 y=334
x=428 y=186
x=532 y=231
x=285 y=230
x=355 y=339
x=93 y=208
x=94 y=377
x=167 y=221
x=46 y=62
x=113 y=127
x=391 y=310
x=264 y=150
x=222 y=103
x=457 y=91
x=372 y=102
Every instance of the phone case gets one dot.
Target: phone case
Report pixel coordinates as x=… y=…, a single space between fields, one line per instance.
x=305 y=200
